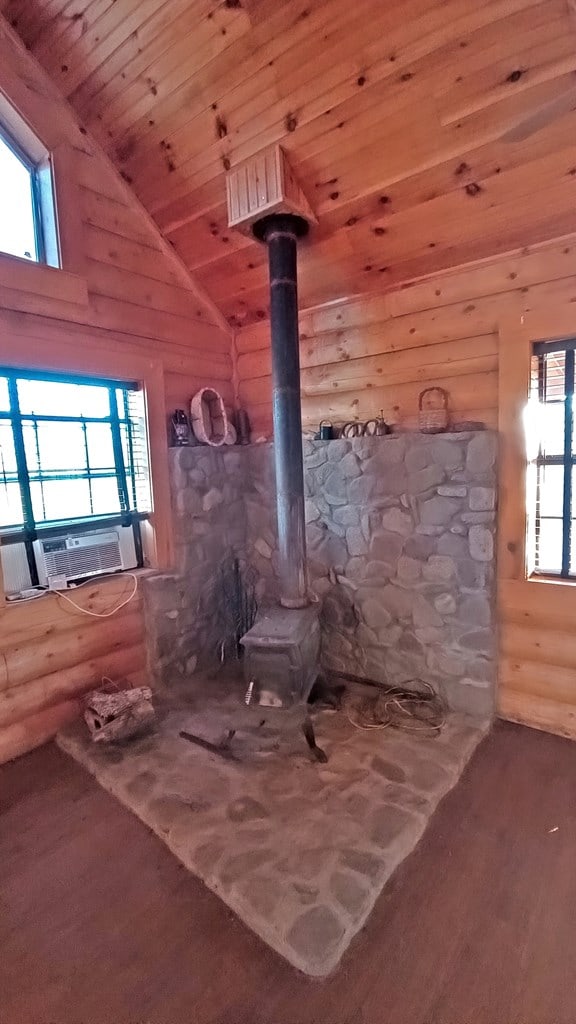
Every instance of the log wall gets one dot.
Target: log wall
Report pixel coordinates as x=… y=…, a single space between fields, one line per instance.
x=50 y=654
x=468 y=331
x=378 y=351
x=123 y=305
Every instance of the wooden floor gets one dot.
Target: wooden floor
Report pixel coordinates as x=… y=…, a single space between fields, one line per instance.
x=98 y=922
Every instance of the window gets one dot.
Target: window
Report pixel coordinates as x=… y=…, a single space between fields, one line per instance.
x=73 y=456
x=27 y=214
x=552 y=460
x=18 y=234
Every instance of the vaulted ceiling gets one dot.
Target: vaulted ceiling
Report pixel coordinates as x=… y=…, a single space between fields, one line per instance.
x=426 y=133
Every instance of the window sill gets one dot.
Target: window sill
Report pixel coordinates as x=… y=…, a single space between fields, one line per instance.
x=31 y=287
x=556 y=580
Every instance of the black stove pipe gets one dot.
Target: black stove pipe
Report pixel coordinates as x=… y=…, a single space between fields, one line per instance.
x=280 y=232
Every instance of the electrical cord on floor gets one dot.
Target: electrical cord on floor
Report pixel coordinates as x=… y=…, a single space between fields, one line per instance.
x=396 y=707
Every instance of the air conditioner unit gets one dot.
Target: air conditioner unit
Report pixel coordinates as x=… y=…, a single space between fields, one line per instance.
x=75 y=556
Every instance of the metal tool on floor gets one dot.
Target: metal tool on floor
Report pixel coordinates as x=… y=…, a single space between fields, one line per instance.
x=307 y=725
x=222 y=748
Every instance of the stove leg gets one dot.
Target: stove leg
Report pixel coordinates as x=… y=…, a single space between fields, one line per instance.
x=310 y=737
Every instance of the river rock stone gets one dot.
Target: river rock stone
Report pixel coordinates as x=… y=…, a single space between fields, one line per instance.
x=263 y=548
x=481 y=453
x=335 y=488
x=438 y=511
x=408 y=569
x=349 y=466
x=346 y=516
x=355 y=541
x=375 y=614
x=439 y=569
x=482 y=499
x=386 y=547
x=481 y=544
x=337 y=449
x=453 y=491
x=395 y=521
x=316 y=933
x=445 y=604
x=352 y=896
x=211 y=499
x=425 y=479
x=448 y=454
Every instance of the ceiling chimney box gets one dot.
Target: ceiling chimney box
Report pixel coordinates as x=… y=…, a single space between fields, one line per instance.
x=263 y=185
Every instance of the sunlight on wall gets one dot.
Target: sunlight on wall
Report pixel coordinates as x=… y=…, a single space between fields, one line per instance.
x=17 y=235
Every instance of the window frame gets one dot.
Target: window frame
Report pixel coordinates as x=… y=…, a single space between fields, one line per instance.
x=80 y=352
x=519 y=328
x=31 y=530
x=567 y=460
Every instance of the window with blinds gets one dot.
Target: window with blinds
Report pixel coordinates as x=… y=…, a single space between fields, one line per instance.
x=73 y=455
x=551 y=461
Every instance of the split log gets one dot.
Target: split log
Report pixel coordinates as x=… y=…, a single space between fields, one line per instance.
x=117 y=716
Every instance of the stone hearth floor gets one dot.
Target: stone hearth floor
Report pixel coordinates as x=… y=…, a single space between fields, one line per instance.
x=299 y=850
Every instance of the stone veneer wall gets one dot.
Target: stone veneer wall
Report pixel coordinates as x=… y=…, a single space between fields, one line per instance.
x=400 y=536
x=182 y=608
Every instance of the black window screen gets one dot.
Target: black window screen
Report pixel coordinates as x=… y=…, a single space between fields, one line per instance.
x=552 y=487
x=73 y=451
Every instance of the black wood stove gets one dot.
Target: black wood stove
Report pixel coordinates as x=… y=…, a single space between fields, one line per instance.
x=282 y=649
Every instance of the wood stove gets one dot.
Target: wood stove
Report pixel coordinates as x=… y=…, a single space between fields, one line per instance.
x=282 y=648
x=281 y=655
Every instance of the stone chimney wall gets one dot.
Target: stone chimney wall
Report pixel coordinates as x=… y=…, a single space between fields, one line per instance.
x=401 y=555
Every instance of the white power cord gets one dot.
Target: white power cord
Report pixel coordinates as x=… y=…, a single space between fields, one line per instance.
x=86 y=611
x=101 y=615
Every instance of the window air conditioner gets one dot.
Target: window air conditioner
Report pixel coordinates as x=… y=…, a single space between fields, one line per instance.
x=74 y=556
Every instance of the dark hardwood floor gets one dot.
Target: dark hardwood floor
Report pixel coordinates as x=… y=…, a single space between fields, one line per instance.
x=100 y=925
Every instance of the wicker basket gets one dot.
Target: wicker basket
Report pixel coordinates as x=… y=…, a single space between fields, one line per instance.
x=209 y=419
x=433 y=410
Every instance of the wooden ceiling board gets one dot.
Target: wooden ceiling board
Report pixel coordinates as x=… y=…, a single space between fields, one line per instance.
x=334 y=82
x=385 y=130
x=54 y=41
x=341 y=121
x=243 y=124
x=150 y=79
x=237 y=63
x=463 y=182
x=137 y=105
x=425 y=133
x=208 y=238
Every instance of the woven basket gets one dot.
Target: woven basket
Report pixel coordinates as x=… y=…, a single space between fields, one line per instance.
x=433 y=410
x=209 y=419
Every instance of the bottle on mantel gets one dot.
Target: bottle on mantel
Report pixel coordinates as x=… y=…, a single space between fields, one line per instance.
x=180 y=429
x=243 y=428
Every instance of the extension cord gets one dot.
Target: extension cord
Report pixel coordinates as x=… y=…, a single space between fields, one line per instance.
x=28 y=594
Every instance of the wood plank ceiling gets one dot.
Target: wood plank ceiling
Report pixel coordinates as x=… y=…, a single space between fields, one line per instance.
x=426 y=133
